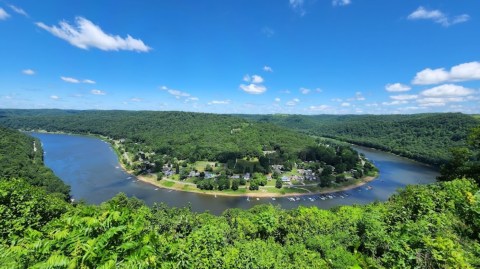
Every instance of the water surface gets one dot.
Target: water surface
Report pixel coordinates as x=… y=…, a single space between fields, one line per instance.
x=90 y=166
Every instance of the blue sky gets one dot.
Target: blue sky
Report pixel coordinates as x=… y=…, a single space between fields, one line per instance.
x=249 y=56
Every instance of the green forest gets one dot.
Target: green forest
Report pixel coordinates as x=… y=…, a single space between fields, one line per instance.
x=21 y=156
x=431 y=226
x=423 y=137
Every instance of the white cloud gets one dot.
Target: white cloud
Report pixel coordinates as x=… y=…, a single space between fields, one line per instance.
x=253 y=88
x=285 y=92
x=70 y=80
x=178 y=93
x=267 y=68
x=345 y=104
x=337 y=100
x=297 y=6
x=341 y=2
x=397 y=87
x=437 y=16
x=293 y=102
x=29 y=72
x=3 y=14
x=461 y=72
x=257 y=79
x=319 y=108
x=404 y=97
x=98 y=92
x=432 y=104
x=318 y=90
x=247 y=78
x=447 y=90
x=136 y=99
x=85 y=35
x=395 y=103
x=305 y=90
x=219 y=102
x=54 y=97
x=18 y=10
x=277 y=99
x=88 y=81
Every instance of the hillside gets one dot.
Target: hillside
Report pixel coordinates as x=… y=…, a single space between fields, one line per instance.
x=21 y=156
x=423 y=137
x=179 y=134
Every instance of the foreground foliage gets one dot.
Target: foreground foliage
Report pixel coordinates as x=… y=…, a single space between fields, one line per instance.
x=434 y=226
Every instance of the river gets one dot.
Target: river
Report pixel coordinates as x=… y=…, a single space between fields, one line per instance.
x=90 y=166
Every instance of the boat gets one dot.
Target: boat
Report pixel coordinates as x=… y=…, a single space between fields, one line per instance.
x=273 y=198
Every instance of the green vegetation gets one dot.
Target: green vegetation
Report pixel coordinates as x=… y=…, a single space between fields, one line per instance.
x=432 y=226
x=423 y=137
x=22 y=156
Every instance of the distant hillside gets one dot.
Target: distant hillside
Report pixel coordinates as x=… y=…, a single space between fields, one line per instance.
x=424 y=137
x=21 y=156
x=179 y=134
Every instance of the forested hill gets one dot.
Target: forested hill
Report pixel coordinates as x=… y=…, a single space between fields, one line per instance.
x=424 y=137
x=22 y=156
x=178 y=134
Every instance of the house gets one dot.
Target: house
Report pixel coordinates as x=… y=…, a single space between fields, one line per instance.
x=285 y=179
x=246 y=176
x=235 y=177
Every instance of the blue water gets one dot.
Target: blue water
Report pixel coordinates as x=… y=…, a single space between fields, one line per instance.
x=90 y=166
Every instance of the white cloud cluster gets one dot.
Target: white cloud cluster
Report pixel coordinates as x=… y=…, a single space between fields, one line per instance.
x=98 y=92
x=403 y=97
x=255 y=86
x=219 y=102
x=76 y=81
x=437 y=16
x=461 y=72
x=345 y=104
x=305 y=90
x=86 y=34
x=297 y=6
x=54 y=97
x=29 y=72
x=397 y=87
x=319 y=108
x=447 y=90
x=3 y=14
x=179 y=94
x=267 y=68
x=341 y=2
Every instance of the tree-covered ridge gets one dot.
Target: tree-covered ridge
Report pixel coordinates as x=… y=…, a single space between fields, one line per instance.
x=424 y=137
x=22 y=156
x=179 y=134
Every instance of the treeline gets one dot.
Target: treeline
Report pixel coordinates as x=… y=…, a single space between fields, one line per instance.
x=423 y=137
x=22 y=156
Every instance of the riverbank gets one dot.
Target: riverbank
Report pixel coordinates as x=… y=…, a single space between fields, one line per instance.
x=263 y=192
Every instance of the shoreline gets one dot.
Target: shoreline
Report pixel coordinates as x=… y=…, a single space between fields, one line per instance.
x=257 y=194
